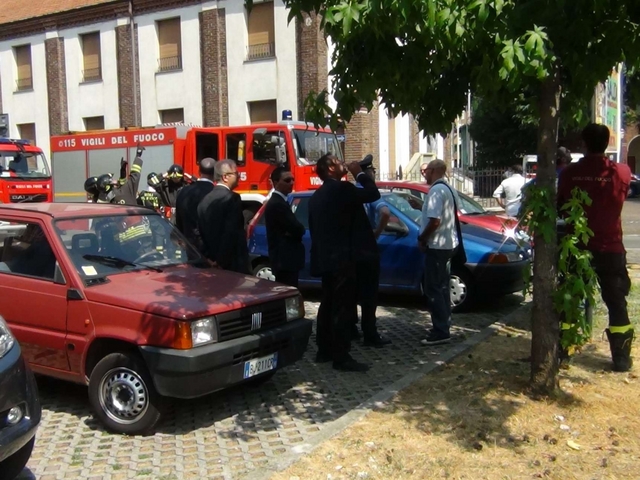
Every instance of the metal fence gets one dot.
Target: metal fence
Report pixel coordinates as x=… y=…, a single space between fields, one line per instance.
x=476 y=183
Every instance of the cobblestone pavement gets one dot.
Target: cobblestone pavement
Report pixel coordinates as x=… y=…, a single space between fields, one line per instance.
x=228 y=434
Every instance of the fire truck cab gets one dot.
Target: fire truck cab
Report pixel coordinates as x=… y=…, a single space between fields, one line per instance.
x=24 y=173
x=257 y=149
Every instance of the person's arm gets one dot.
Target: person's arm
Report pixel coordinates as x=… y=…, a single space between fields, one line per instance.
x=432 y=210
x=384 y=216
x=369 y=192
x=498 y=193
x=288 y=222
x=226 y=253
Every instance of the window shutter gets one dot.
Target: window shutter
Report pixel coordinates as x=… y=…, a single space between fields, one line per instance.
x=23 y=62
x=28 y=132
x=169 y=38
x=260 y=25
x=91 y=51
x=263 y=112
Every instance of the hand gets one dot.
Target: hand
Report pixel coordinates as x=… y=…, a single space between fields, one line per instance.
x=122 y=161
x=354 y=168
x=140 y=150
x=422 y=245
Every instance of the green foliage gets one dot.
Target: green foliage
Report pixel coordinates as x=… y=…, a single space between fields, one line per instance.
x=423 y=56
x=577 y=283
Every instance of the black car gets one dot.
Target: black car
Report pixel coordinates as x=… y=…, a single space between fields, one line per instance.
x=19 y=407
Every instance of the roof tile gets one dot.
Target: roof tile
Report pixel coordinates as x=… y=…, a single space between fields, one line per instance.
x=16 y=10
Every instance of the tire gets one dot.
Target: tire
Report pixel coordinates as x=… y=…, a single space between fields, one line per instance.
x=11 y=467
x=462 y=290
x=263 y=270
x=124 y=378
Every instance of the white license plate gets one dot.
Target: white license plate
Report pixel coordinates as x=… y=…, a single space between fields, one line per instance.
x=260 y=365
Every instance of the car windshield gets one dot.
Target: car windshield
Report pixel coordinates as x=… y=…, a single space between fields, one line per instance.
x=23 y=165
x=403 y=205
x=310 y=145
x=468 y=206
x=105 y=245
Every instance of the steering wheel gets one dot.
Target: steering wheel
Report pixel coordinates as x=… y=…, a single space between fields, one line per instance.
x=149 y=256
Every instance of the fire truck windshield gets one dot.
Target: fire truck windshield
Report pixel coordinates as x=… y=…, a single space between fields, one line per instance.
x=310 y=145
x=15 y=164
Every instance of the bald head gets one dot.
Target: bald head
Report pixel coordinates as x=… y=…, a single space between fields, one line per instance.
x=207 y=168
x=436 y=169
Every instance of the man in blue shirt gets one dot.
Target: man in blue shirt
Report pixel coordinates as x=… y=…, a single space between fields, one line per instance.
x=368 y=265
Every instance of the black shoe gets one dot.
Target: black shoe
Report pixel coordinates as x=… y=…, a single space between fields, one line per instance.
x=377 y=341
x=350 y=366
x=322 y=357
x=355 y=333
x=436 y=339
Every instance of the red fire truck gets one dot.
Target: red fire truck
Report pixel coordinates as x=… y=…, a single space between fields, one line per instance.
x=24 y=173
x=257 y=150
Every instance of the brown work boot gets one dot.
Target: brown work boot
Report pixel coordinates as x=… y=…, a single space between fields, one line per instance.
x=620 y=344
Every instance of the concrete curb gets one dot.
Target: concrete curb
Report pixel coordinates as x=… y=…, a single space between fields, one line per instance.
x=378 y=400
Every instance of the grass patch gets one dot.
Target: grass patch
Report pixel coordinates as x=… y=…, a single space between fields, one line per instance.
x=474 y=419
x=144 y=471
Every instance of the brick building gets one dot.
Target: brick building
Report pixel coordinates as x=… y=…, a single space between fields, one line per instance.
x=76 y=65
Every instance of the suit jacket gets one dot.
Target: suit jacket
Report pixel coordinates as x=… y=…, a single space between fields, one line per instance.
x=221 y=225
x=284 y=236
x=337 y=220
x=187 y=210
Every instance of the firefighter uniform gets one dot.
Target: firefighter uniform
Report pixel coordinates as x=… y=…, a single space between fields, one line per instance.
x=607 y=184
x=127 y=187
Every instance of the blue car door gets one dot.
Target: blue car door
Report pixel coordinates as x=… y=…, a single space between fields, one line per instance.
x=400 y=259
x=300 y=208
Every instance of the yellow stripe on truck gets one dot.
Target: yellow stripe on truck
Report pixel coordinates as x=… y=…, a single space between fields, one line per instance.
x=81 y=194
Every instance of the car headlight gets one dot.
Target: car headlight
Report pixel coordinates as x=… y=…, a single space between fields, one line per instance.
x=204 y=331
x=6 y=338
x=294 y=307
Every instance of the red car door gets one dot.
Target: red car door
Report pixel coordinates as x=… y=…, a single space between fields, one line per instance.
x=32 y=302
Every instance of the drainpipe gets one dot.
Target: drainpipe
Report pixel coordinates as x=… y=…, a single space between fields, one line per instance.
x=133 y=65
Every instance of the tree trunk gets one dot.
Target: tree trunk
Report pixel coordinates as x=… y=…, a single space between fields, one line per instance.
x=545 y=324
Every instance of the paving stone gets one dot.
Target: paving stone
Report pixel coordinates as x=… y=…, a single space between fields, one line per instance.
x=231 y=433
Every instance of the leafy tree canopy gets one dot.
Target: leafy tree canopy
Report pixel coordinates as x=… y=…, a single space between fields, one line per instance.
x=422 y=56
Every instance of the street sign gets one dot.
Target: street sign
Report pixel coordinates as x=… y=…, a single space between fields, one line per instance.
x=341 y=138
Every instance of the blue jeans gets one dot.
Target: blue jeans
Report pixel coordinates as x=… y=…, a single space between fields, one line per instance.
x=437 y=271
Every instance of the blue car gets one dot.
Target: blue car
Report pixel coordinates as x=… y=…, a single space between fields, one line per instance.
x=495 y=265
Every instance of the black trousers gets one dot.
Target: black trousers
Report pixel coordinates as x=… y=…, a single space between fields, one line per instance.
x=368 y=278
x=336 y=312
x=287 y=277
x=613 y=277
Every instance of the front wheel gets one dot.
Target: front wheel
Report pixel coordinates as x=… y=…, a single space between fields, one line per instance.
x=11 y=467
x=462 y=290
x=123 y=396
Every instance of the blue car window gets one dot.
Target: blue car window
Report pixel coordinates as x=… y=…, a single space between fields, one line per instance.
x=300 y=207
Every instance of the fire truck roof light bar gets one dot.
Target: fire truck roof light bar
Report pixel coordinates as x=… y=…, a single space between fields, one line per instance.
x=10 y=141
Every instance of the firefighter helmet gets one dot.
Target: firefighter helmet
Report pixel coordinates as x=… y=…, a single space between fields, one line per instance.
x=104 y=182
x=91 y=186
x=153 y=180
x=175 y=171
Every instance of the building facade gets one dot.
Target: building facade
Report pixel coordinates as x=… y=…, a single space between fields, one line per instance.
x=78 y=65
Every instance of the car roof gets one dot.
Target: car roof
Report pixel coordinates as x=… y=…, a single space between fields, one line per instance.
x=73 y=210
x=405 y=183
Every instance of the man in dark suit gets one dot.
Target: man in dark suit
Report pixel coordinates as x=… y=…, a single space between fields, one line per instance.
x=188 y=200
x=284 y=231
x=221 y=222
x=334 y=209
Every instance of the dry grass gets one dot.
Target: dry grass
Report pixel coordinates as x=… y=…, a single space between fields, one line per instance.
x=474 y=420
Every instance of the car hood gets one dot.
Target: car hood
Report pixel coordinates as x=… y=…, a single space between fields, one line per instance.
x=488 y=239
x=185 y=292
x=495 y=223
